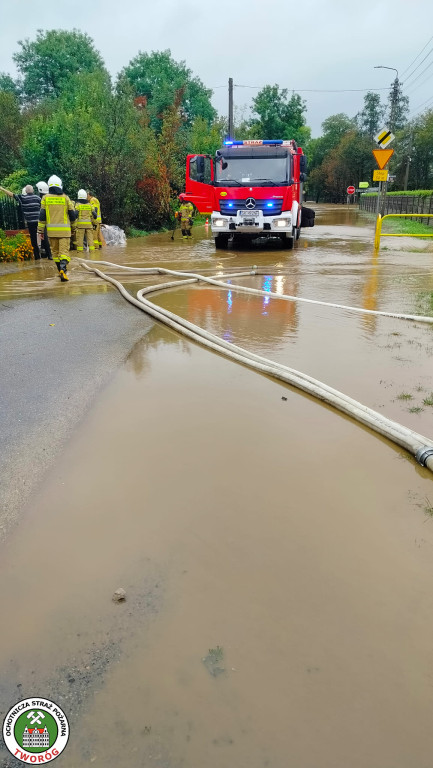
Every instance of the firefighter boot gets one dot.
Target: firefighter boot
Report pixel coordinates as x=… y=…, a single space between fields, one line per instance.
x=62 y=271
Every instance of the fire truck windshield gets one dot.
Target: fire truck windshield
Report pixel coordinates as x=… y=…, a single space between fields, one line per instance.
x=252 y=171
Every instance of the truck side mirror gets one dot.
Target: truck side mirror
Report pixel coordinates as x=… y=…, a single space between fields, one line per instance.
x=303 y=164
x=302 y=176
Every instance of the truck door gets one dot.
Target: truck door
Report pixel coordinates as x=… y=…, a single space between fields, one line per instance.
x=199 y=178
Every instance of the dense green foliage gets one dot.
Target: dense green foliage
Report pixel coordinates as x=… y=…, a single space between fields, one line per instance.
x=11 y=126
x=159 y=79
x=47 y=63
x=407 y=193
x=127 y=139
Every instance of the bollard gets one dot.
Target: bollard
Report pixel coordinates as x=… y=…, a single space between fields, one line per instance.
x=378 y=232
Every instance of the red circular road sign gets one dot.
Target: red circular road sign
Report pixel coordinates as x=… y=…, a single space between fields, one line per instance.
x=350 y=190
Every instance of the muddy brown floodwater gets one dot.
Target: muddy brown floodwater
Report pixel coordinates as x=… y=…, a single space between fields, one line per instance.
x=277 y=558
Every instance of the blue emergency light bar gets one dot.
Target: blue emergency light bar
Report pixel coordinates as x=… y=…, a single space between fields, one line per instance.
x=254 y=142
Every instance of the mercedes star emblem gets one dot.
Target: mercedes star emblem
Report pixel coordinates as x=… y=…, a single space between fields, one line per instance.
x=251 y=203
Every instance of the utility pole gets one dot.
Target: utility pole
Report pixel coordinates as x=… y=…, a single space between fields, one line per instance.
x=394 y=102
x=231 y=129
x=409 y=151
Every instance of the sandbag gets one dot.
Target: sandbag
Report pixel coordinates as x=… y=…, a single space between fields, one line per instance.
x=113 y=235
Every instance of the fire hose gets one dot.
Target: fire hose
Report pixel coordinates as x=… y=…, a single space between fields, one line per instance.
x=416 y=444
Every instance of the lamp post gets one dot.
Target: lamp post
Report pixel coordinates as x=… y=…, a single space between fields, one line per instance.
x=383 y=188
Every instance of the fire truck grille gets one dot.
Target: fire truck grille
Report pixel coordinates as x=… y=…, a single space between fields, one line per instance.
x=269 y=207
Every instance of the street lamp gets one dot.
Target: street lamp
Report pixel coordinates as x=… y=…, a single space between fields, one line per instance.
x=382 y=67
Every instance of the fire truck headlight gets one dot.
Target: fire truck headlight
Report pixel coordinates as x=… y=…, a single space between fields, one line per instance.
x=282 y=222
x=220 y=222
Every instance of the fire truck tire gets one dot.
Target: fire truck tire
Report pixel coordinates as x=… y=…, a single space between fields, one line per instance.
x=221 y=241
x=287 y=242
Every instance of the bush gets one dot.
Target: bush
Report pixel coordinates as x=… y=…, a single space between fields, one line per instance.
x=407 y=193
x=15 y=248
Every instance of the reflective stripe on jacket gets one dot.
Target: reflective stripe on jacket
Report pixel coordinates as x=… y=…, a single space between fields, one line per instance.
x=55 y=215
x=86 y=215
x=94 y=202
x=186 y=211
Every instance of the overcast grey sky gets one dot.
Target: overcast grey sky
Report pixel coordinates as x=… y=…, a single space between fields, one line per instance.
x=313 y=44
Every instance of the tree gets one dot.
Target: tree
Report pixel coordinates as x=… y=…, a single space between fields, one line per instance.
x=421 y=166
x=9 y=85
x=350 y=162
x=398 y=107
x=334 y=128
x=279 y=117
x=48 y=63
x=11 y=127
x=205 y=139
x=370 y=119
x=93 y=137
x=158 y=78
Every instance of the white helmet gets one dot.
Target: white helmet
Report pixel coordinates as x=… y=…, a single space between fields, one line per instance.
x=42 y=187
x=82 y=194
x=54 y=181
x=24 y=191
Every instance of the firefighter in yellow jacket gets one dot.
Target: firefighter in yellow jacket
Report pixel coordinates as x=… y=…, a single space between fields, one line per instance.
x=94 y=202
x=86 y=219
x=185 y=213
x=56 y=215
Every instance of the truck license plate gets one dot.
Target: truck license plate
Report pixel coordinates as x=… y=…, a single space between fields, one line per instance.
x=249 y=214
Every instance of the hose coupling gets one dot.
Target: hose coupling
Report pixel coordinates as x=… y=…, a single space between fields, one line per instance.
x=423 y=454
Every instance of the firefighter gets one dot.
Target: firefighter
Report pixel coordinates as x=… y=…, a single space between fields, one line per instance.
x=94 y=202
x=85 y=221
x=56 y=215
x=42 y=188
x=185 y=212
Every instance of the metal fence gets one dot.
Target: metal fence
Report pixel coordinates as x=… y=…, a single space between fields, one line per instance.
x=11 y=215
x=412 y=204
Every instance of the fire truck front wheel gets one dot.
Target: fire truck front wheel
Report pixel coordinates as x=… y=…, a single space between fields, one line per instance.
x=221 y=241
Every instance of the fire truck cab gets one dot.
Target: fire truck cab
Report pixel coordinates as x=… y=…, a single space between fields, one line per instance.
x=251 y=189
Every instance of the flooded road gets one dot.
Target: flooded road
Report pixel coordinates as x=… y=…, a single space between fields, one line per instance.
x=277 y=557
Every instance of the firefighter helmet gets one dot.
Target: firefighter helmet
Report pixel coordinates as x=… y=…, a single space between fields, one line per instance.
x=42 y=187
x=82 y=194
x=54 y=181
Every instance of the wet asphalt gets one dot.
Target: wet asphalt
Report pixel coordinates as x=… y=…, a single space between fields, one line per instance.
x=56 y=355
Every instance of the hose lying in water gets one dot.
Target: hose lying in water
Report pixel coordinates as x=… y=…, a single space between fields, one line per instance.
x=257 y=291
x=418 y=445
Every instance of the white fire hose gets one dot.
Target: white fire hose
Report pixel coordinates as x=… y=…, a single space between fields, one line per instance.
x=418 y=445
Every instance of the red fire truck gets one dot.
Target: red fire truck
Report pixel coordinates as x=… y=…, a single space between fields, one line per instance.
x=251 y=189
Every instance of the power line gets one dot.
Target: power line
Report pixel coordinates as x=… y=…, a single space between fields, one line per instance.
x=417 y=57
x=423 y=104
x=420 y=74
x=421 y=62
x=420 y=84
x=320 y=90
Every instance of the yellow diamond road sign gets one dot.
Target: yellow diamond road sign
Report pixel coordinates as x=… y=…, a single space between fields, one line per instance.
x=380 y=175
x=384 y=137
